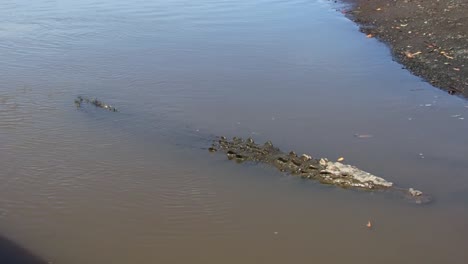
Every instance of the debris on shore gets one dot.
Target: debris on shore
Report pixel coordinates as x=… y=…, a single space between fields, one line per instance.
x=429 y=37
x=320 y=169
x=93 y=101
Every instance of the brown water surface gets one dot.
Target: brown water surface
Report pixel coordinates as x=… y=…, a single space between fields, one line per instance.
x=138 y=186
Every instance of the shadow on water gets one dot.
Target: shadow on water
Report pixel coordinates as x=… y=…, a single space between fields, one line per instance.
x=12 y=253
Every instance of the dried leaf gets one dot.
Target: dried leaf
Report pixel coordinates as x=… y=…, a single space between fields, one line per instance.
x=409 y=54
x=446 y=55
x=363 y=135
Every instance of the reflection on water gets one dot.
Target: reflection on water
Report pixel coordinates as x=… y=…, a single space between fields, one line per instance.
x=10 y=252
x=137 y=186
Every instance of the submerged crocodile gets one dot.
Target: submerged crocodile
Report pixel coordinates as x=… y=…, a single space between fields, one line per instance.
x=93 y=101
x=322 y=170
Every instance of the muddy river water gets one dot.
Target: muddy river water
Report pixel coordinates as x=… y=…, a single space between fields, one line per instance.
x=139 y=186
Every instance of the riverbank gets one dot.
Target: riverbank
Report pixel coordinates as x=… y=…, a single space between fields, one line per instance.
x=429 y=37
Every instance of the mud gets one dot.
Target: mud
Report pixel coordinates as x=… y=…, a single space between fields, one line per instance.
x=429 y=37
x=307 y=167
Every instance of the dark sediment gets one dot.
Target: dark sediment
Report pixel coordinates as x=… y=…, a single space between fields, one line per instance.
x=429 y=37
x=306 y=167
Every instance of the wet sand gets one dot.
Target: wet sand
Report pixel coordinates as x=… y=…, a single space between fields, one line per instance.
x=429 y=37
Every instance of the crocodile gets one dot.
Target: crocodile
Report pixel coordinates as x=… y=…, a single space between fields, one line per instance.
x=307 y=167
x=93 y=101
x=304 y=166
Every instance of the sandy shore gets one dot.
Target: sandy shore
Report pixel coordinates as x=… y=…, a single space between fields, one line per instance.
x=429 y=37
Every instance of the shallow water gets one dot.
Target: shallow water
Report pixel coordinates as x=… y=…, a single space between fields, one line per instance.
x=138 y=186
